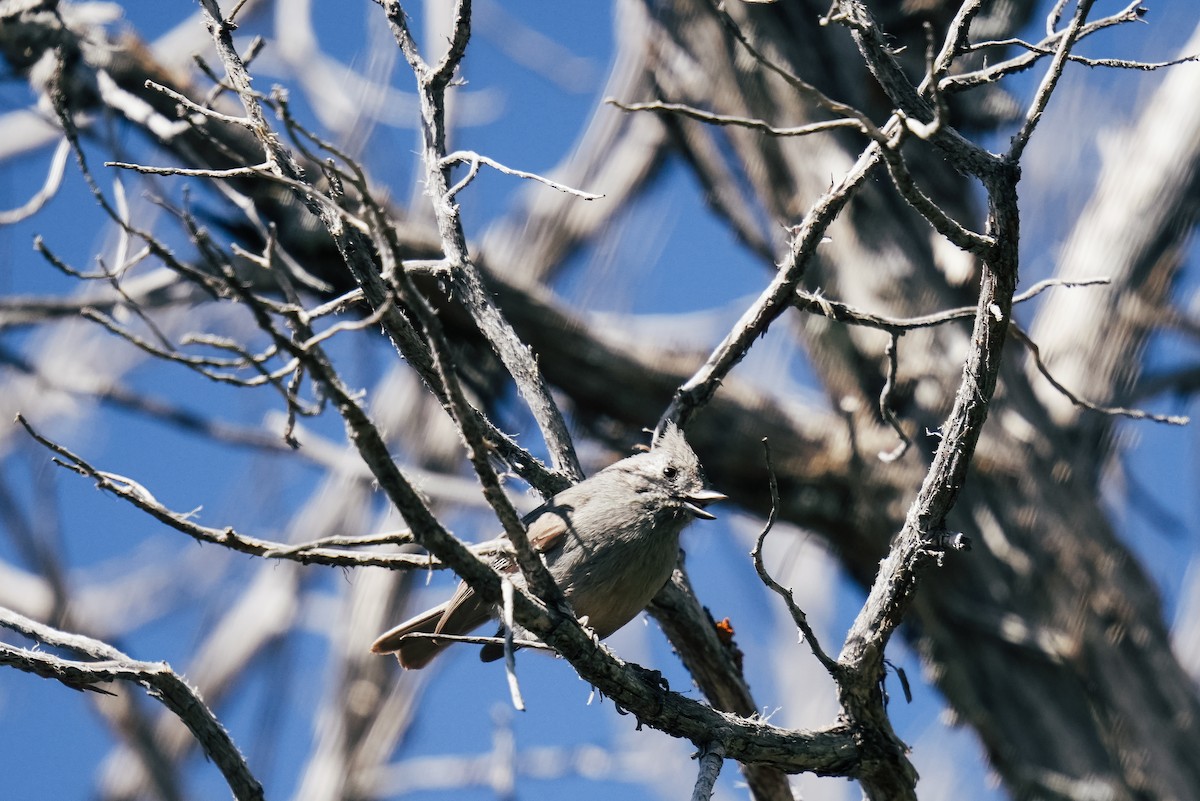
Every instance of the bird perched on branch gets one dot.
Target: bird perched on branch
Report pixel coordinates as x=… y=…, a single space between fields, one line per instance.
x=610 y=542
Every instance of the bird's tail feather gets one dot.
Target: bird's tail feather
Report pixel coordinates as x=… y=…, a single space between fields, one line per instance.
x=416 y=652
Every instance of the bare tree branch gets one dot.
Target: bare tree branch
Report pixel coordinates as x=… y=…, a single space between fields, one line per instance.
x=108 y=664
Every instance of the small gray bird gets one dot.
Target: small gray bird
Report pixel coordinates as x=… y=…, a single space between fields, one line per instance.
x=610 y=542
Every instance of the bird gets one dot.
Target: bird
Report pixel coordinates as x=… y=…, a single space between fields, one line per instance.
x=610 y=542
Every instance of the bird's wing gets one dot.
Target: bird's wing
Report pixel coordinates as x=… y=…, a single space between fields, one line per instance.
x=546 y=527
x=464 y=611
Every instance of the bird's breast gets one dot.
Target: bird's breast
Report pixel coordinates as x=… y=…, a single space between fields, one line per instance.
x=611 y=579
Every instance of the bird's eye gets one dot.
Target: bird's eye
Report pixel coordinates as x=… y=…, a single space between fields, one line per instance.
x=670 y=472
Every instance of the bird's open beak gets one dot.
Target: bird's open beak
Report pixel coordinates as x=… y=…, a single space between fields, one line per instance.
x=696 y=502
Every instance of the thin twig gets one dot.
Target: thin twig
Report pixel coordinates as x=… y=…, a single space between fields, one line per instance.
x=798 y=616
x=1115 y=411
x=754 y=322
x=1050 y=80
x=843 y=312
x=192 y=105
x=335 y=306
x=140 y=497
x=954 y=231
x=233 y=172
x=170 y=354
x=1114 y=63
x=712 y=118
x=994 y=72
x=201 y=364
x=885 y=403
x=402 y=537
x=370 y=321
x=475 y=159
x=803 y=87
x=510 y=659
x=472 y=639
